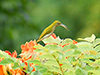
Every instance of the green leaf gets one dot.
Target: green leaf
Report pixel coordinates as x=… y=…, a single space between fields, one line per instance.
x=95 y=72
x=16 y=65
x=53 y=47
x=97 y=61
x=86 y=60
x=69 y=53
x=52 y=40
x=4 y=55
x=37 y=73
x=84 y=46
x=51 y=63
x=89 y=39
x=70 y=46
x=76 y=52
x=69 y=73
x=34 y=62
x=67 y=66
x=22 y=65
x=29 y=69
x=46 y=56
x=71 y=59
x=68 y=40
x=39 y=48
x=54 y=69
x=95 y=65
x=42 y=69
x=98 y=55
x=47 y=73
x=80 y=71
x=60 y=55
x=90 y=56
x=96 y=42
x=87 y=67
x=97 y=48
x=6 y=61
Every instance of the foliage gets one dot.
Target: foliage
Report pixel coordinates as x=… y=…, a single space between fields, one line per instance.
x=57 y=57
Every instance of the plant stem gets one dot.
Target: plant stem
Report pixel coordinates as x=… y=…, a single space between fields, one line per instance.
x=58 y=64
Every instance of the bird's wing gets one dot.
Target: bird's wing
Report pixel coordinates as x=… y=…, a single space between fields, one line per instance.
x=46 y=31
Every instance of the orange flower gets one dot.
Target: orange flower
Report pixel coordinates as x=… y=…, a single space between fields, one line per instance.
x=65 y=44
x=54 y=36
x=66 y=57
x=29 y=46
x=28 y=50
x=14 y=54
x=1 y=70
x=60 y=64
x=17 y=72
x=75 y=42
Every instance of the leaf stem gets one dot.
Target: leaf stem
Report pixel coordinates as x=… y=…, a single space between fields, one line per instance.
x=58 y=64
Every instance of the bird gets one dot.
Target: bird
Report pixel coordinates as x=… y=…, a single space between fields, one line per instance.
x=50 y=29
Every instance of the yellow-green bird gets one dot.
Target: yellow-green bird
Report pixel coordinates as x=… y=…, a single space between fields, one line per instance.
x=50 y=29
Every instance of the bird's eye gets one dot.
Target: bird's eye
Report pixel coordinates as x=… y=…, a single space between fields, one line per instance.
x=58 y=23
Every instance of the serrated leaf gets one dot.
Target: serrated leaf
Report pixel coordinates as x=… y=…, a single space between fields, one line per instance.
x=84 y=46
x=34 y=62
x=51 y=63
x=46 y=56
x=68 y=40
x=6 y=61
x=52 y=40
x=89 y=39
x=69 y=47
x=96 y=42
x=53 y=47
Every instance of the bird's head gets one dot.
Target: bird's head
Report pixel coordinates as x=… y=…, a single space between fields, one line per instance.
x=58 y=23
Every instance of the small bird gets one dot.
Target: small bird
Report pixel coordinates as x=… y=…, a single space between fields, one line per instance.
x=50 y=29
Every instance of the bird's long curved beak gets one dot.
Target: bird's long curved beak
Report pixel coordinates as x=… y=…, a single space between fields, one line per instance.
x=64 y=26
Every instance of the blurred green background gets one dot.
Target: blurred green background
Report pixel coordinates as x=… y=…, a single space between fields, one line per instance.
x=24 y=20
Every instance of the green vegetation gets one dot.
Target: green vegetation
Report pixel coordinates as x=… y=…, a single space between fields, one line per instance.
x=57 y=57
